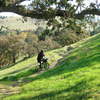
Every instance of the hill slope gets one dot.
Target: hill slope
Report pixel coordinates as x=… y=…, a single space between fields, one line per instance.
x=18 y=23
x=76 y=77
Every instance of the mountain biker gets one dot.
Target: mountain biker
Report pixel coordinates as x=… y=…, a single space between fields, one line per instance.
x=40 y=58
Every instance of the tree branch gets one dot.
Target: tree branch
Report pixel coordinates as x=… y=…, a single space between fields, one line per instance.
x=88 y=12
x=45 y=14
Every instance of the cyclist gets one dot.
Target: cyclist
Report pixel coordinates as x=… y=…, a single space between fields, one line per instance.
x=40 y=58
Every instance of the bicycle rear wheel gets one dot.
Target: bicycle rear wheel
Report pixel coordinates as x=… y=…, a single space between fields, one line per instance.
x=46 y=65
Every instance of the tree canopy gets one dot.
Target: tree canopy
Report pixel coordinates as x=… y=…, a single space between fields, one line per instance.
x=45 y=9
x=63 y=27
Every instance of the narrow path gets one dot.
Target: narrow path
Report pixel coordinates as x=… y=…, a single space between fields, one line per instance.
x=42 y=71
x=15 y=87
x=6 y=91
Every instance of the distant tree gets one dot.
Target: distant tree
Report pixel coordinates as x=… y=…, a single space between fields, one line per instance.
x=32 y=45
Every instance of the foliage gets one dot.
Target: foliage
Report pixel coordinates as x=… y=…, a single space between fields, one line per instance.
x=75 y=77
x=24 y=45
x=48 y=44
x=10 y=49
x=65 y=32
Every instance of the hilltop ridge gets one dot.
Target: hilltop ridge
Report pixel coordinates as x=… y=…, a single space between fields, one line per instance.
x=22 y=24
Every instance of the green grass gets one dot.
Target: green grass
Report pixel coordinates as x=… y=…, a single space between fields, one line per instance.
x=24 y=69
x=75 y=77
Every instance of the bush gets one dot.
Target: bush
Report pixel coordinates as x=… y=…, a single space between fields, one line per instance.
x=68 y=36
x=48 y=44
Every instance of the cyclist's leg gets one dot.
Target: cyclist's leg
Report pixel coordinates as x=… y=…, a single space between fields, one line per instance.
x=46 y=65
x=40 y=65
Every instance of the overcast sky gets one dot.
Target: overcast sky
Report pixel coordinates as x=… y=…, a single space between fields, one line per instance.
x=87 y=2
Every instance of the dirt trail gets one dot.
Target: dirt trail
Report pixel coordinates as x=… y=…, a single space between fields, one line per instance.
x=42 y=71
x=6 y=91
x=15 y=87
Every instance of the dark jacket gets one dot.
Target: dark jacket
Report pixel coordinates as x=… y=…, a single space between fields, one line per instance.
x=40 y=56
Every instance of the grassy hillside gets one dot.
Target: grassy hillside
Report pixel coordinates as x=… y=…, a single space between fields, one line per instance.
x=75 y=77
x=18 y=23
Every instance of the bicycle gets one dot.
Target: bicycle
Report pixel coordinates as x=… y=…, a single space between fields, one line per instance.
x=45 y=63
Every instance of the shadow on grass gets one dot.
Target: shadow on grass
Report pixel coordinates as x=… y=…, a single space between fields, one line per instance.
x=65 y=66
x=22 y=69
x=20 y=75
x=10 y=65
x=76 y=92
x=94 y=40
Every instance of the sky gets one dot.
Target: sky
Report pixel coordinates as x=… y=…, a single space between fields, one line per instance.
x=87 y=2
